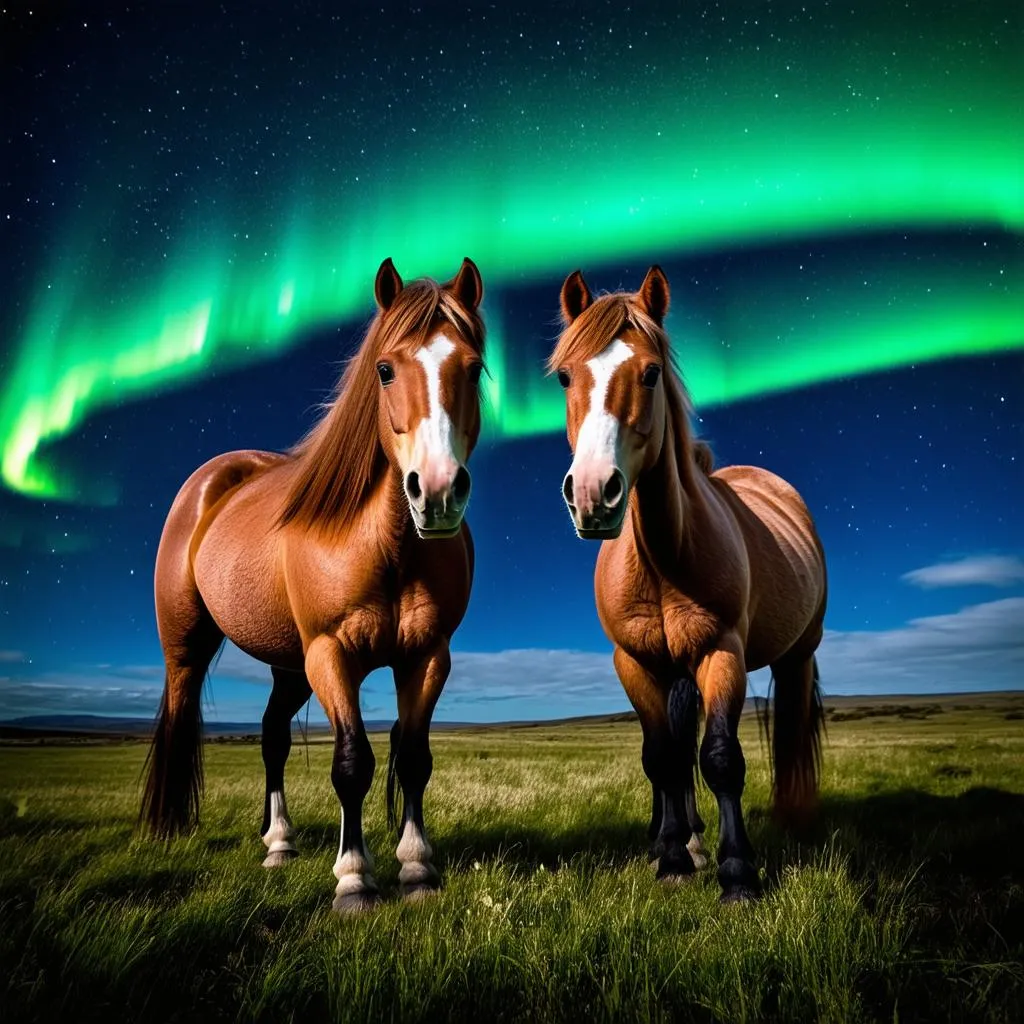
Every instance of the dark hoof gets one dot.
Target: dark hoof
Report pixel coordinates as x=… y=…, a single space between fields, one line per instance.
x=656 y=851
x=279 y=858
x=739 y=875
x=738 y=894
x=356 y=902
x=418 y=892
x=676 y=869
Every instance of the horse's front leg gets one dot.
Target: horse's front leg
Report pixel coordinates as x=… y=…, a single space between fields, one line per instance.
x=722 y=678
x=335 y=676
x=418 y=683
x=667 y=758
x=683 y=714
x=683 y=719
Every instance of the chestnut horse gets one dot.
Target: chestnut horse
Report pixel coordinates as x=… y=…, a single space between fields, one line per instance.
x=703 y=577
x=344 y=555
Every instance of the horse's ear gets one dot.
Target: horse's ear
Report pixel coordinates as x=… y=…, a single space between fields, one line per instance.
x=467 y=285
x=387 y=286
x=575 y=296
x=654 y=294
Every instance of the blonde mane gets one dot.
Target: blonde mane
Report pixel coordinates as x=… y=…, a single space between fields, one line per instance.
x=340 y=459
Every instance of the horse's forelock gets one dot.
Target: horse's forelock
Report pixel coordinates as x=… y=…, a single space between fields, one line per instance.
x=600 y=324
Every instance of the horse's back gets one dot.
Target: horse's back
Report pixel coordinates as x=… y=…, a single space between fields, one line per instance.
x=787 y=561
x=205 y=488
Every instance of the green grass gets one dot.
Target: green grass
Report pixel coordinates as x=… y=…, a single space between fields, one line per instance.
x=906 y=901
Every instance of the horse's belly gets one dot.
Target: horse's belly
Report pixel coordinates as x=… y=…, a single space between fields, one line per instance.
x=787 y=569
x=239 y=581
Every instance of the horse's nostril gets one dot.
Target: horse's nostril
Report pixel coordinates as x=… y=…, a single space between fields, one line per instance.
x=613 y=489
x=567 y=488
x=461 y=485
x=412 y=485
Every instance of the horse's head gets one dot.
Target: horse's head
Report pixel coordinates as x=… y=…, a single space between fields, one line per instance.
x=610 y=361
x=429 y=408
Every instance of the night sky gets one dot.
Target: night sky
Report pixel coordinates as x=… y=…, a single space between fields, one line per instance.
x=194 y=201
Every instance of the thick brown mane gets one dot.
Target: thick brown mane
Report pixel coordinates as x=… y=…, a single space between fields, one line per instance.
x=597 y=326
x=340 y=459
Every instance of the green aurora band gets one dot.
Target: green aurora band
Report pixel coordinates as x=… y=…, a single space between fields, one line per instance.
x=654 y=183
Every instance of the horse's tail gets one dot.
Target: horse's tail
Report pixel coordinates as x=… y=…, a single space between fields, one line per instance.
x=795 y=739
x=394 y=813
x=174 y=783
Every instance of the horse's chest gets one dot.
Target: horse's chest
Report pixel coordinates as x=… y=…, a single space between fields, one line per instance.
x=379 y=614
x=658 y=626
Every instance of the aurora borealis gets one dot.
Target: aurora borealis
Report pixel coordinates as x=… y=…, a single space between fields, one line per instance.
x=194 y=201
x=194 y=225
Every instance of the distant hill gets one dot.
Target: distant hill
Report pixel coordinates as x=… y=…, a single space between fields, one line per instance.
x=839 y=707
x=105 y=725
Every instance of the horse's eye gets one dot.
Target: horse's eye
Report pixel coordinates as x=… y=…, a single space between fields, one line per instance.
x=651 y=375
x=473 y=373
x=564 y=378
x=386 y=372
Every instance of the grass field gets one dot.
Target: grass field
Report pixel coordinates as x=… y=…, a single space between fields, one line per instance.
x=905 y=903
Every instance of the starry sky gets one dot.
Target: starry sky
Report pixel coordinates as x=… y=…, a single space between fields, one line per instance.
x=194 y=201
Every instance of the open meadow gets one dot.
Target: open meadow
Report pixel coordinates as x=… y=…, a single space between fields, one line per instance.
x=905 y=902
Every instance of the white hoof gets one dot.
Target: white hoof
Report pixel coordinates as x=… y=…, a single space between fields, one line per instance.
x=417 y=872
x=351 y=903
x=278 y=858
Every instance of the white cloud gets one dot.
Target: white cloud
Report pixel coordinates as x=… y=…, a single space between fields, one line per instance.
x=976 y=570
x=56 y=693
x=12 y=657
x=980 y=647
x=523 y=684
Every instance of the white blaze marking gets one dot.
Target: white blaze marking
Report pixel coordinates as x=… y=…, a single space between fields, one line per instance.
x=599 y=435
x=434 y=434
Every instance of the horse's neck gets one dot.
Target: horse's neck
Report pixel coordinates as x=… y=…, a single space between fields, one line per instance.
x=382 y=521
x=669 y=509
x=387 y=514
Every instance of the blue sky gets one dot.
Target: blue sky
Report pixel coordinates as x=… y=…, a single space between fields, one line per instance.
x=151 y=159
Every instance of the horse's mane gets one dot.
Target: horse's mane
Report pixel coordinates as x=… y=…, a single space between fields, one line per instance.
x=597 y=326
x=340 y=459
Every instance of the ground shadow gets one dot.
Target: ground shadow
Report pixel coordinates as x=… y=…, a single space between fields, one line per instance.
x=521 y=849
x=972 y=835
x=160 y=886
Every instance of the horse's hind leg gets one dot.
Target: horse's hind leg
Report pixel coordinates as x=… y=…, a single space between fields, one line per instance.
x=418 y=685
x=190 y=639
x=291 y=690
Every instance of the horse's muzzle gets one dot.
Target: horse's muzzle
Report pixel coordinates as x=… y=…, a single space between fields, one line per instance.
x=438 y=505
x=596 y=503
